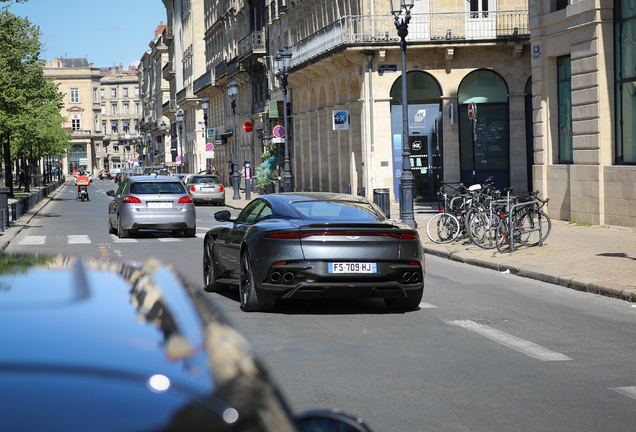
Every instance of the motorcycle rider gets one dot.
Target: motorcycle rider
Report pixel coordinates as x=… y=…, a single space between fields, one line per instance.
x=82 y=179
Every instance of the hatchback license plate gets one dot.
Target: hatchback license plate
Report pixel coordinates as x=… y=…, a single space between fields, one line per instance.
x=353 y=267
x=207 y=189
x=159 y=204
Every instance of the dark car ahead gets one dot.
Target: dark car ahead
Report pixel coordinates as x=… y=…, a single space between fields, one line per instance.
x=314 y=245
x=151 y=203
x=97 y=345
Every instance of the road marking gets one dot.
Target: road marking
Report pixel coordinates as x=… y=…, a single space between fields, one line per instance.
x=122 y=240
x=168 y=239
x=427 y=306
x=627 y=391
x=78 y=239
x=32 y=240
x=201 y=235
x=523 y=346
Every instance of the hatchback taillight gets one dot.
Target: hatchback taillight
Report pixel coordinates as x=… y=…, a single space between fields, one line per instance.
x=221 y=188
x=185 y=200
x=131 y=200
x=192 y=188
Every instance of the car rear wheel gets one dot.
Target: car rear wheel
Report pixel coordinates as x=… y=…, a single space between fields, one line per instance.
x=253 y=299
x=209 y=278
x=121 y=232
x=410 y=302
x=111 y=228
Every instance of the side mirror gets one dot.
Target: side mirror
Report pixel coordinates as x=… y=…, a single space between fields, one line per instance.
x=329 y=421
x=110 y=193
x=223 y=216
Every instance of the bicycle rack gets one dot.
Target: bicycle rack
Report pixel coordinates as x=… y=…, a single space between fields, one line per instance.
x=525 y=231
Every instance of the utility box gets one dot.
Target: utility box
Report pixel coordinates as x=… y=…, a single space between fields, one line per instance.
x=4 y=207
x=382 y=198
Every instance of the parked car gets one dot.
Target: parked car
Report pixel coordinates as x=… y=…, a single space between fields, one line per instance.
x=313 y=245
x=99 y=345
x=206 y=188
x=150 y=202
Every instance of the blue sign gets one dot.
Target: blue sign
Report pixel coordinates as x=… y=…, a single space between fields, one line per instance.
x=340 y=120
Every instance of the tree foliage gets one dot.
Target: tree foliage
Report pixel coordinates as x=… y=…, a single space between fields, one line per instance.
x=29 y=103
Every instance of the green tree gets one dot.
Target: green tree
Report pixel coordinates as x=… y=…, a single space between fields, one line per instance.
x=29 y=103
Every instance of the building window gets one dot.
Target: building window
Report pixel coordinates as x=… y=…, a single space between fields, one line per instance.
x=564 y=74
x=561 y=4
x=126 y=129
x=75 y=124
x=96 y=123
x=136 y=91
x=113 y=92
x=102 y=93
x=74 y=95
x=95 y=99
x=113 y=108
x=114 y=128
x=125 y=90
x=625 y=57
x=103 y=109
x=137 y=107
x=126 y=109
x=116 y=148
x=104 y=128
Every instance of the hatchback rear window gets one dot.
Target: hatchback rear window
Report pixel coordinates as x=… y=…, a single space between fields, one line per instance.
x=142 y=188
x=212 y=180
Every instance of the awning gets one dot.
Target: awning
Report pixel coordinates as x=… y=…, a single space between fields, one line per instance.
x=114 y=124
x=115 y=144
x=125 y=124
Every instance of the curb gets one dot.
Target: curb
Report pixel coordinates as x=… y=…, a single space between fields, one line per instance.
x=576 y=282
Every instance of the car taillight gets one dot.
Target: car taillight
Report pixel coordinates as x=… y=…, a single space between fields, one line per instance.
x=192 y=188
x=296 y=235
x=131 y=200
x=185 y=200
x=221 y=188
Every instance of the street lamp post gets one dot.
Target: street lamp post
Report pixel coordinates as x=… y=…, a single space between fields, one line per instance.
x=205 y=104
x=283 y=63
x=406 y=179
x=180 y=121
x=232 y=91
x=148 y=146
x=163 y=138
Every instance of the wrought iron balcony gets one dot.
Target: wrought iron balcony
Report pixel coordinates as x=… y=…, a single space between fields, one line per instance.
x=202 y=82
x=220 y=70
x=252 y=44
x=168 y=35
x=455 y=27
x=168 y=106
x=184 y=94
x=168 y=70
x=234 y=67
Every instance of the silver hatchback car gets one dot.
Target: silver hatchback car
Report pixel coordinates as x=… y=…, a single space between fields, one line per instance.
x=151 y=202
x=205 y=188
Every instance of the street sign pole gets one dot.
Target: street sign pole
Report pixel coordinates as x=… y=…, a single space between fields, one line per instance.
x=472 y=115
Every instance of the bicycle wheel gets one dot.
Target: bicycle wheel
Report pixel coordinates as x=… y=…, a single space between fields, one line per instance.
x=442 y=228
x=539 y=225
x=503 y=237
x=482 y=230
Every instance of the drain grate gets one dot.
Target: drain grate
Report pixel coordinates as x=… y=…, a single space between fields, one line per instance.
x=486 y=321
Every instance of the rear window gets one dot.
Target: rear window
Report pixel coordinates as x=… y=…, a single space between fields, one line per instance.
x=211 y=180
x=143 y=188
x=337 y=211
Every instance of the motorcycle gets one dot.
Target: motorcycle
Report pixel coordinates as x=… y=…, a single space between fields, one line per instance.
x=83 y=192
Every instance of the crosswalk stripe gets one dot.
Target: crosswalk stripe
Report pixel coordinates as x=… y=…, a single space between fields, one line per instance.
x=523 y=346
x=78 y=239
x=122 y=240
x=168 y=239
x=627 y=391
x=32 y=240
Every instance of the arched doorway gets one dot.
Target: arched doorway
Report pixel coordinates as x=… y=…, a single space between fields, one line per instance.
x=485 y=153
x=77 y=158
x=424 y=128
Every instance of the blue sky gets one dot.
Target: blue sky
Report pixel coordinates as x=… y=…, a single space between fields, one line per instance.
x=105 y=32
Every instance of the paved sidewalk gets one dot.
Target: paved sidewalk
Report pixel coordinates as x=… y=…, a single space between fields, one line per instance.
x=597 y=259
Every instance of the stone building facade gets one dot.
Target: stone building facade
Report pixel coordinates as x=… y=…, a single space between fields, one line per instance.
x=101 y=107
x=584 y=117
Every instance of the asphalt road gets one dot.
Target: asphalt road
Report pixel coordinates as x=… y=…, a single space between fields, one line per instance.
x=485 y=352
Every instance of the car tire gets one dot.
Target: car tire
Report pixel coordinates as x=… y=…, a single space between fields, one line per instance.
x=111 y=228
x=408 y=303
x=209 y=277
x=253 y=299
x=121 y=232
x=191 y=232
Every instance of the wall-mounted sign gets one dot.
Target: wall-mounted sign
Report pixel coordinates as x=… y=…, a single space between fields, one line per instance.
x=340 y=119
x=536 y=52
x=387 y=68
